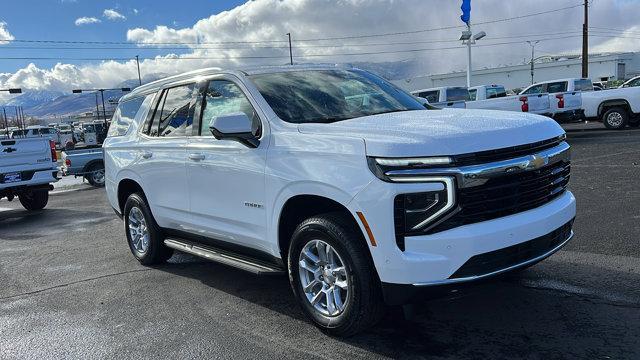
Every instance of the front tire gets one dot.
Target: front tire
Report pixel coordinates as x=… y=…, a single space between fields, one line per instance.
x=615 y=118
x=33 y=200
x=144 y=236
x=333 y=277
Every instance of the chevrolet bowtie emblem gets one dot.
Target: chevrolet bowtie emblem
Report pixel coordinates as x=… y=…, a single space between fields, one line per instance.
x=537 y=162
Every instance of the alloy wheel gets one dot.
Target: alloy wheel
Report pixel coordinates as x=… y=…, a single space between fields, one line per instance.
x=324 y=278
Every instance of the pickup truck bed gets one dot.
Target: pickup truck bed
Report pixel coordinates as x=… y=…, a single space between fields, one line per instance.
x=87 y=163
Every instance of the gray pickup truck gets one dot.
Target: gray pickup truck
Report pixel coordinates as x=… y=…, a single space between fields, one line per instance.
x=87 y=163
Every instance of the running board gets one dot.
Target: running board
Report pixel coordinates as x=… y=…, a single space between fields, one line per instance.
x=225 y=257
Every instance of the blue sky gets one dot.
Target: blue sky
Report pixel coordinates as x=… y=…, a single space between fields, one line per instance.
x=55 y=20
x=423 y=33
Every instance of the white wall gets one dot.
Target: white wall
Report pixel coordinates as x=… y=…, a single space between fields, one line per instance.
x=520 y=76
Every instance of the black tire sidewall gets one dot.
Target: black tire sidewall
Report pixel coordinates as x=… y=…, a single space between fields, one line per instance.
x=157 y=252
x=91 y=171
x=348 y=245
x=34 y=200
x=622 y=112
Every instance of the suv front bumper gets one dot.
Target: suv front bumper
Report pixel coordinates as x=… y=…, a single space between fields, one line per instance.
x=434 y=259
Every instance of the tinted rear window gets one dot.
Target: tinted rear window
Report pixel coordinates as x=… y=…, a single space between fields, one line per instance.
x=457 y=94
x=496 y=92
x=431 y=96
x=557 y=87
x=583 y=85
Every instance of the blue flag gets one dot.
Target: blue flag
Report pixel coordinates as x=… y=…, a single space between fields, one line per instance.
x=466 y=11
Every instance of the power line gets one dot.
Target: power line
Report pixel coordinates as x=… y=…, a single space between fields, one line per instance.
x=433 y=41
x=297 y=40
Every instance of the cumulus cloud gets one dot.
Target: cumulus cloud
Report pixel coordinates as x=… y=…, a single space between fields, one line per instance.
x=113 y=15
x=85 y=20
x=4 y=33
x=255 y=33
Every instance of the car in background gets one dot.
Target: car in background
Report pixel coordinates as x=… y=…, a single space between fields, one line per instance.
x=565 y=97
x=633 y=82
x=28 y=167
x=616 y=108
x=37 y=131
x=494 y=97
x=444 y=97
x=86 y=163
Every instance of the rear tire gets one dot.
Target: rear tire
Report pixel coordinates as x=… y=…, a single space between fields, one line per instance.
x=355 y=292
x=615 y=118
x=144 y=236
x=33 y=200
x=95 y=175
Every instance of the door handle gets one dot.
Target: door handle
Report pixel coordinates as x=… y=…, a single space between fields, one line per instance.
x=196 y=157
x=147 y=154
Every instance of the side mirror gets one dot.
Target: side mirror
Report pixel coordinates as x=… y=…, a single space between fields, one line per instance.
x=235 y=126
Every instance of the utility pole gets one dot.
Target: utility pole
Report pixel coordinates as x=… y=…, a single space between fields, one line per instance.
x=97 y=108
x=533 y=49
x=20 y=124
x=585 y=41
x=104 y=110
x=138 y=64
x=6 y=123
x=290 y=51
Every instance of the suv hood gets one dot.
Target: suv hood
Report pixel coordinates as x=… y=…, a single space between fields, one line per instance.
x=440 y=132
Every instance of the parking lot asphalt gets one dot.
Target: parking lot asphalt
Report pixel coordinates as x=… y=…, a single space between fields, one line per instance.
x=69 y=288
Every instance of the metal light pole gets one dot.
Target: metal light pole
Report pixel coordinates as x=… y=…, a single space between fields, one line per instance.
x=468 y=39
x=104 y=109
x=532 y=43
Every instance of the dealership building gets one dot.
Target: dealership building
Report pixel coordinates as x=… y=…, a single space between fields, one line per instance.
x=602 y=67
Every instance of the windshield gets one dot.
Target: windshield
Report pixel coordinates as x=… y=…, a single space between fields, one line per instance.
x=323 y=96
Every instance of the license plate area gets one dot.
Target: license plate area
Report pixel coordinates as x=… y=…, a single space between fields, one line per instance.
x=12 y=177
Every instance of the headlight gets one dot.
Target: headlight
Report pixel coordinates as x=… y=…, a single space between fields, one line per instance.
x=416 y=213
x=379 y=166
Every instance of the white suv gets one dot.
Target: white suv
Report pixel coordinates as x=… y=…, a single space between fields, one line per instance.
x=340 y=179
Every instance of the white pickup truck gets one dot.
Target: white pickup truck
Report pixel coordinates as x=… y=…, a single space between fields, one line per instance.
x=444 y=97
x=565 y=97
x=27 y=170
x=494 y=97
x=616 y=108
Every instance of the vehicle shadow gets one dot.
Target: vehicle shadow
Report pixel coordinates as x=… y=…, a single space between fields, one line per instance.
x=20 y=224
x=501 y=319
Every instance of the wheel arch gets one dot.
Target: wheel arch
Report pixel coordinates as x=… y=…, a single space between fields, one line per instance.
x=125 y=188
x=302 y=206
x=88 y=165
x=608 y=104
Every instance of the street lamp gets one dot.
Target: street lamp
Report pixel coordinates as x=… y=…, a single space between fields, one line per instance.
x=532 y=43
x=468 y=39
x=104 y=110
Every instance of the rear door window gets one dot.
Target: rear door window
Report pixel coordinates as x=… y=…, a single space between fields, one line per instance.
x=496 y=92
x=457 y=94
x=174 y=116
x=557 y=87
x=583 y=85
